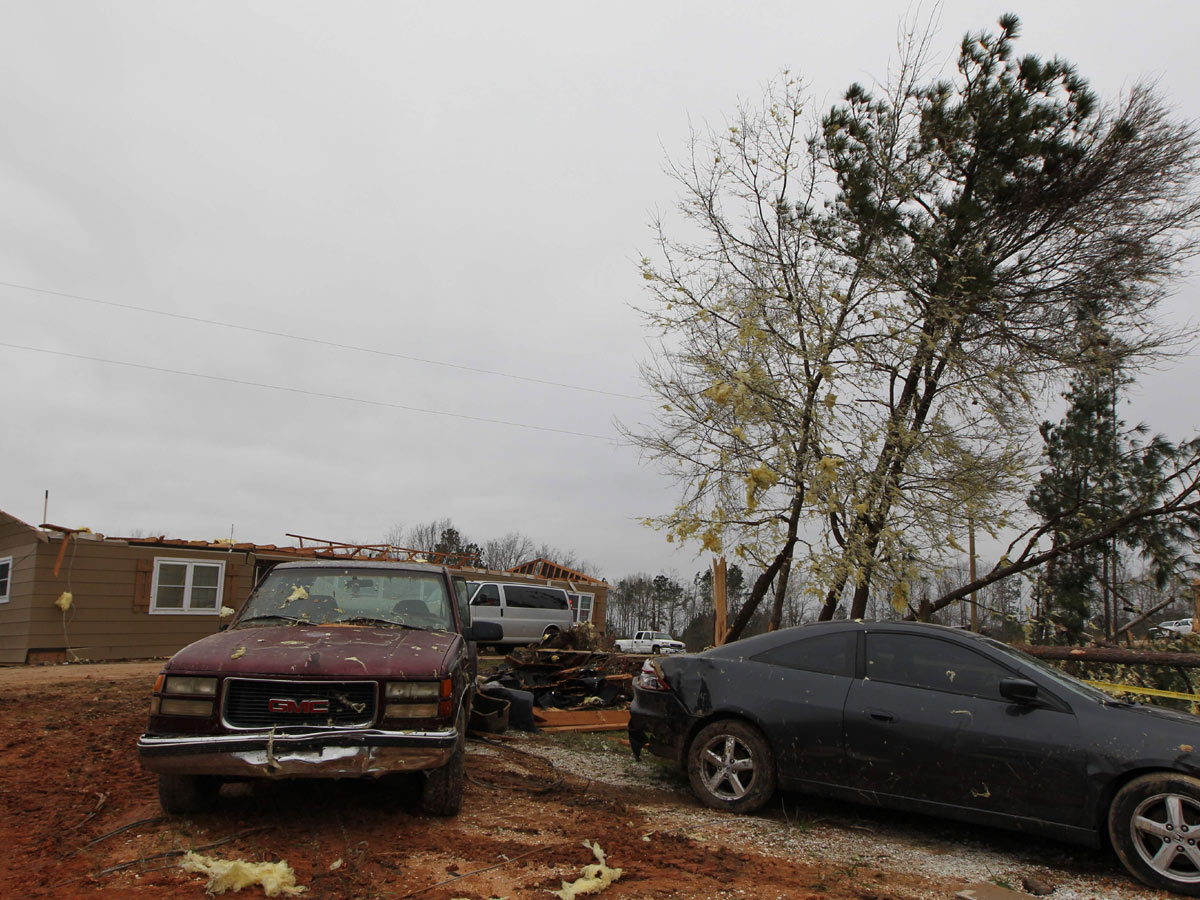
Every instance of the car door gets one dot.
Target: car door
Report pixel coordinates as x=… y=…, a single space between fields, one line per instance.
x=802 y=693
x=486 y=606
x=927 y=722
x=528 y=609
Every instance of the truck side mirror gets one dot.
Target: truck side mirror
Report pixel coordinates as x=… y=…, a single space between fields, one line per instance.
x=484 y=632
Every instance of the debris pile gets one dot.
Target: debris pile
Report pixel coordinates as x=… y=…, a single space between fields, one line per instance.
x=569 y=690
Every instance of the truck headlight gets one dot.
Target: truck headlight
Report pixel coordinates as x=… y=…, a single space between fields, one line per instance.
x=414 y=690
x=417 y=699
x=173 y=706
x=190 y=684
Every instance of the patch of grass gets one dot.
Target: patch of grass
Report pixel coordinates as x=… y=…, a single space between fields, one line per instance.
x=591 y=741
x=612 y=744
x=798 y=818
x=666 y=771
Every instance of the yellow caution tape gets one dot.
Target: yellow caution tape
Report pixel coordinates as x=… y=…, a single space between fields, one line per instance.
x=1152 y=692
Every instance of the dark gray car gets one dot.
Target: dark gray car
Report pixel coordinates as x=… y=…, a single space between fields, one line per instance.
x=934 y=720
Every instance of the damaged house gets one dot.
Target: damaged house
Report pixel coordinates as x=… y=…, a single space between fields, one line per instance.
x=69 y=594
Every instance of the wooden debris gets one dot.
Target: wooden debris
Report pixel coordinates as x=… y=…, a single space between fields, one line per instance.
x=985 y=890
x=553 y=720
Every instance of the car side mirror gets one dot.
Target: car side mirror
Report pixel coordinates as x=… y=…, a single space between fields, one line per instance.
x=1018 y=690
x=484 y=632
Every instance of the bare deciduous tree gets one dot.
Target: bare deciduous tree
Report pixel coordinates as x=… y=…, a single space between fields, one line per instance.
x=863 y=316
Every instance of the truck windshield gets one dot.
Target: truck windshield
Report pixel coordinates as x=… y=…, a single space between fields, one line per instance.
x=354 y=596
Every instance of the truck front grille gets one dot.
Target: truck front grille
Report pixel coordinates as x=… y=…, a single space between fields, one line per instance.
x=254 y=703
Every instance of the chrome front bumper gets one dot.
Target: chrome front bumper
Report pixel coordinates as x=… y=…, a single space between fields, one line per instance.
x=315 y=754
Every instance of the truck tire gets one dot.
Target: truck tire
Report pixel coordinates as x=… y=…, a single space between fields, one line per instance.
x=441 y=791
x=178 y=794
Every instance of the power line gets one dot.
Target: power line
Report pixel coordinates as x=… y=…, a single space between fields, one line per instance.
x=312 y=340
x=291 y=390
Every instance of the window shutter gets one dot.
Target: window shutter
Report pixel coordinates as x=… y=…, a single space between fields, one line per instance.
x=141 y=585
x=230 y=596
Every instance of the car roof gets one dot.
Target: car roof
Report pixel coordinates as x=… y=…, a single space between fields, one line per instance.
x=760 y=642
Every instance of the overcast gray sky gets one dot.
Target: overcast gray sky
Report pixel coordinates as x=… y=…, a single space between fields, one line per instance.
x=469 y=184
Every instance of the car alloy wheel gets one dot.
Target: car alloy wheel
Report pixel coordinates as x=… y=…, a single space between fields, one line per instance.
x=1154 y=824
x=727 y=767
x=730 y=766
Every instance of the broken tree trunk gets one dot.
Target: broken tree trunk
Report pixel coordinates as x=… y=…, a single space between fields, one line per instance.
x=1114 y=655
x=719 y=602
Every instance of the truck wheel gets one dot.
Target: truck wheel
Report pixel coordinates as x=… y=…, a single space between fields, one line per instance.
x=441 y=792
x=656 y=649
x=731 y=766
x=179 y=794
x=550 y=632
x=1154 y=825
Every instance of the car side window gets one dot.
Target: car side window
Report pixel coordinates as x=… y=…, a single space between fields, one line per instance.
x=487 y=595
x=926 y=662
x=832 y=654
x=523 y=597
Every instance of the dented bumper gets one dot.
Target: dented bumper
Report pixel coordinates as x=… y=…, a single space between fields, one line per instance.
x=330 y=754
x=658 y=722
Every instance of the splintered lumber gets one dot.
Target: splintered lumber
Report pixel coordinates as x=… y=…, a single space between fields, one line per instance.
x=581 y=719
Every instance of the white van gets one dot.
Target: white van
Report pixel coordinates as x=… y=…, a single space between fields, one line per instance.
x=528 y=613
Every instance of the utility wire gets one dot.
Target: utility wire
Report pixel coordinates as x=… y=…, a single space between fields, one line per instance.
x=311 y=340
x=291 y=390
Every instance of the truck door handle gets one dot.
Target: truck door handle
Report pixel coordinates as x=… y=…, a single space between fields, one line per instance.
x=880 y=715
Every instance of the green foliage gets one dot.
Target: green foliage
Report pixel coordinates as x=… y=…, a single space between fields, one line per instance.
x=452 y=543
x=1156 y=677
x=1096 y=471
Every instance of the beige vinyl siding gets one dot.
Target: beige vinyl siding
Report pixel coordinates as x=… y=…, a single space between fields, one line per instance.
x=108 y=619
x=21 y=543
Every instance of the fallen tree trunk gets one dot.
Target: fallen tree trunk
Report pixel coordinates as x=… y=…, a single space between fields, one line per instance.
x=1114 y=655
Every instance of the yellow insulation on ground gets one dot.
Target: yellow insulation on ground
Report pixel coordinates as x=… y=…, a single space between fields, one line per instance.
x=277 y=879
x=595 y=878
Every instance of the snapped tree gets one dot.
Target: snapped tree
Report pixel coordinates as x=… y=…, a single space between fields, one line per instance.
x=861 y=317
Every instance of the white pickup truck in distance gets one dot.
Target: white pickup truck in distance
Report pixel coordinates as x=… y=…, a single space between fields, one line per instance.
x=650 y=642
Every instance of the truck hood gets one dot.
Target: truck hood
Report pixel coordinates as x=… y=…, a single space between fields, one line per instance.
x=319 y=651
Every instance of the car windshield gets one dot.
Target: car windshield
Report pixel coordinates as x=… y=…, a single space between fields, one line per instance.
x=1058 y=676
x=350 y=596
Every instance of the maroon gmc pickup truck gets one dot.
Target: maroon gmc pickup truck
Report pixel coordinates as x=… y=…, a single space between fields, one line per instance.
x=331 y=669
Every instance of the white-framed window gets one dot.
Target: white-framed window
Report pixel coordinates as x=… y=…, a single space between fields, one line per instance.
x=187 y=586
x=5 y=578
x=581 y=606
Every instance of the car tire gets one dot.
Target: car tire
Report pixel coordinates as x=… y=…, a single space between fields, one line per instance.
x=180 y=794
x=730 y=766
x=441 y=790
x=1154 y=826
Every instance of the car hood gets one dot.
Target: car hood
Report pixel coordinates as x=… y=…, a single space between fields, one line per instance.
x=319 y=651
x=1142 y=735
x=1170 y=715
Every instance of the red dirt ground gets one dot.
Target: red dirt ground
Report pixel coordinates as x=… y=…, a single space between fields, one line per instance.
x=71 y=779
